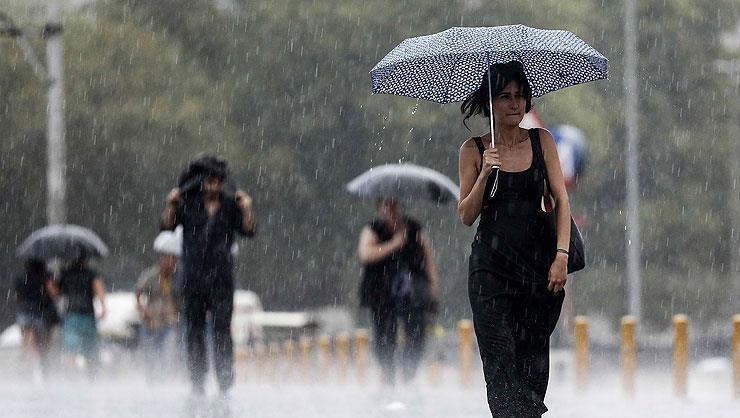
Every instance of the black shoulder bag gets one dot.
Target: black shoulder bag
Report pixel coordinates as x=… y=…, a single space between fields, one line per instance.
x=576 y=254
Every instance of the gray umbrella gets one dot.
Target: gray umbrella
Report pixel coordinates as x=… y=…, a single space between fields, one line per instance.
x=405 y=181
x=65 y=241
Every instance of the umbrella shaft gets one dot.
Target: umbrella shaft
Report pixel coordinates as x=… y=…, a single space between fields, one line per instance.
x=490 y=106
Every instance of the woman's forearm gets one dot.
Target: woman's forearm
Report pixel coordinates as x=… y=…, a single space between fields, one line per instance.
x=562 y=217
x=469 y=208
x=371 y=254
x=168 y=217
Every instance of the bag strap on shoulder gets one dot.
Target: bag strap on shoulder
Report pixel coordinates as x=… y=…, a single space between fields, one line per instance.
x=534 y=134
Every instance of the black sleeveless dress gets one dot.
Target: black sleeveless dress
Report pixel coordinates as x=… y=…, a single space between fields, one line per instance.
x=514 y=313
x=511 y=240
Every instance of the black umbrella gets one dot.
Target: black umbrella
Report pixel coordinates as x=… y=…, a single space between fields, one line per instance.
x=70 y=242
x=405 y=181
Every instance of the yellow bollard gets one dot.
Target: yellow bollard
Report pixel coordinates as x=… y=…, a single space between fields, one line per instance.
x=680 y=354
x=273 y=353
x=736 y=353
x=342 y=356
x=581 y=351
x=305 y=345
x=324 y=356
x=259 y=355
x=242 y=357
x=361 y=343
x=465 y=343
x=435 y=366
x=289 y=347
x=628 y=355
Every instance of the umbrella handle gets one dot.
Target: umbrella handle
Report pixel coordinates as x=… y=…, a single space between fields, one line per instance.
x=495 y=182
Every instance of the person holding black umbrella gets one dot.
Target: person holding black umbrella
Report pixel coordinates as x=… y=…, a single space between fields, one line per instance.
x=211 y=213
x=36 y=313
x=516 y=286
x=399 y=284
x=81 y=285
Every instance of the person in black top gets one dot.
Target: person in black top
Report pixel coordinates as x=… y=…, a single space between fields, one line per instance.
x=210 y=216
x=35 y=311
x=81 y=285
x=400 y=282
x=515 y=280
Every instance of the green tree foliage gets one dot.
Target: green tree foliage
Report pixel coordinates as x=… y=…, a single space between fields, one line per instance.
x=282 y=90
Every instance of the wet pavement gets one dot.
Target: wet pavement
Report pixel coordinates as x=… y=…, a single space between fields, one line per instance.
x=710 y=395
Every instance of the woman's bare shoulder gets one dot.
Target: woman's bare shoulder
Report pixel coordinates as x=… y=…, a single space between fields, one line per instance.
x=468 y=143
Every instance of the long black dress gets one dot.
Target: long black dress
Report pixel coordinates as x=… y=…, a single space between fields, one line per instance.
x=513 y=312
x=381 y=291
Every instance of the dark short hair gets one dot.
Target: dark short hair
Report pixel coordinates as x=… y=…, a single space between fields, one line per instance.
x=213 y=165
x=501 y=75
x=35 y=267
x=380 y=200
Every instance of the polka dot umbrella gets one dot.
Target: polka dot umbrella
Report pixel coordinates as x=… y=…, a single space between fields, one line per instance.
x=448 y=66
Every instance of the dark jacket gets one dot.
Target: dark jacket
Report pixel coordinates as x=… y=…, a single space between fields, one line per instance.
x=207 y=241
x=375 y=288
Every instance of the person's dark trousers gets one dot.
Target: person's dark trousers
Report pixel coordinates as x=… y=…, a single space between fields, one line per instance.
x=220 y=304
x=513 y=327
x=414 y=320
x=385 y=329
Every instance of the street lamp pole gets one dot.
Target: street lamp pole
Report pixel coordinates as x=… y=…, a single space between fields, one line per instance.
x=56 y=188
x=53 y=81
x=631 y=104
x=731 y=67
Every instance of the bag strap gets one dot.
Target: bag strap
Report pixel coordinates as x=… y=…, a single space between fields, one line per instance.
x=534 y=134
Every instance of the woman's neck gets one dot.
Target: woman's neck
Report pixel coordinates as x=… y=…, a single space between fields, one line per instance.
x=506 y=135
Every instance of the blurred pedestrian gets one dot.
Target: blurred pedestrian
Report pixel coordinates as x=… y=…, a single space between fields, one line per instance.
x=36 y=313
x=516 y=279
x=159 y=306
x=210 y=215
x=81 y=285
x=399 y=284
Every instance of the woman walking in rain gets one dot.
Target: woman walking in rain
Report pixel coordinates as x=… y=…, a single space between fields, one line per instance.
x=36 y=313
x=399 y=283
x=81 y=285
x=515 y=281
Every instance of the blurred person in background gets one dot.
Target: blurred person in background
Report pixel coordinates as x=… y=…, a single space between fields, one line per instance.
x=81 y=285
x=159 y=307
x=399 y=284
x=36 y=314
x=211 y=212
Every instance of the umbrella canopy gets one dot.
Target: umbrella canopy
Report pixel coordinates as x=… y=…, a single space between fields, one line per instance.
x=405 y=181
x=448 y=66
x=64 y=241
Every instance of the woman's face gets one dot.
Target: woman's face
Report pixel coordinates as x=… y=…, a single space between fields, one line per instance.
x=509 y=105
